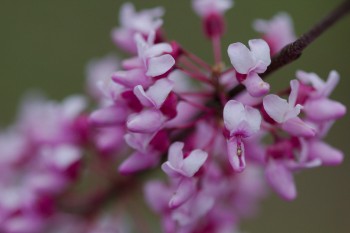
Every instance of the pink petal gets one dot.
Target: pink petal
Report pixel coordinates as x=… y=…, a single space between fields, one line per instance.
x=138 y=162
x=142 y=96
x=234 y=114
x=160 y=65
x=175 y=156
x=241 y=58
x=281 y=180
x=147 y=121
x=131 y=78
x=298 y=128
x=159 y=91
x=193 y=162
x=236 y=156
x=310 y=78
x=184 y=192
x=112 y=115
x=256 y=87
x=276 y=107
x=324 y=109
x=157 y=196
x=158 y=49
x=138 y=141
x=294 y=85
x=332 y=81
x=261 y=51
x=329 y=156
x=253 y=118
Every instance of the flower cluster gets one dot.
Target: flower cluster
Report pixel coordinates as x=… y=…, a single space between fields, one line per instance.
x=166 y=108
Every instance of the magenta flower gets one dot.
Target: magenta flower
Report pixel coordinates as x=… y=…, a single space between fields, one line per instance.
x=240 y=122
x=249 y=63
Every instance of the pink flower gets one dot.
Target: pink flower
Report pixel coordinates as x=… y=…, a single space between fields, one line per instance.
x=277 y=32
x=240 y=122
x=99 y=72
x=286 y=113
x=249 y=63
x=178 y=166
x=153 y=60
x=205 y=8
x=211 y=12
x=318 y=107
x=132 y=22
x=281 y=179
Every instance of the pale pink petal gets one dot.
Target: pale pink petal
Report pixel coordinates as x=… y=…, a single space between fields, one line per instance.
x=296 y=127
x=261 y=51
x=147 y=121
x=158 y=49
x=127 y=11
x=160 y=65
x=329 y=156
x=170 y=170
x=294 y=85
x=193 y=162
x=281 y=180
x=131 y=78
x=236 y=155
x=142 y=96
x=256 y=87
x=157 y=196
x=184 y=192
x=206 y=7
x=324 y=109
x=112 y=115
x=332 y=82
x=175 y=156
x=65 y=155
x=138 y=141
x=159 y=91
x=241 y=58
x=138 y=162
x=310 y=78
x=276 y=107
x=234 y=114
x=253 y=118
x=132 y=63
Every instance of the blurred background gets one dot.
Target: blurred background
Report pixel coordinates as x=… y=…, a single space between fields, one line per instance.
x=45 y=45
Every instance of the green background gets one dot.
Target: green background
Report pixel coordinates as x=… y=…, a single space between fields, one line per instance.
x=46 y=44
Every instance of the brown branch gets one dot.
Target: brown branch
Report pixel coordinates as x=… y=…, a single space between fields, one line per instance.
x=293 y=51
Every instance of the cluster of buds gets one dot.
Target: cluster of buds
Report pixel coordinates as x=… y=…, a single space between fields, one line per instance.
x=167 y=108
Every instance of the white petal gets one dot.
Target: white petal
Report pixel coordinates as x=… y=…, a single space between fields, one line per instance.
x=261 y=51
x=175 y=156
x=160 y=65
x=159 y=91
x=158 y=49
x=234 y=114
x=276 y=107
x=147 y=121
x=294 y=85
x=241 y=58
x=194 y=161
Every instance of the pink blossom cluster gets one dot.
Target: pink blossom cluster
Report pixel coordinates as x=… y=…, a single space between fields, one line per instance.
x=164 y=108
